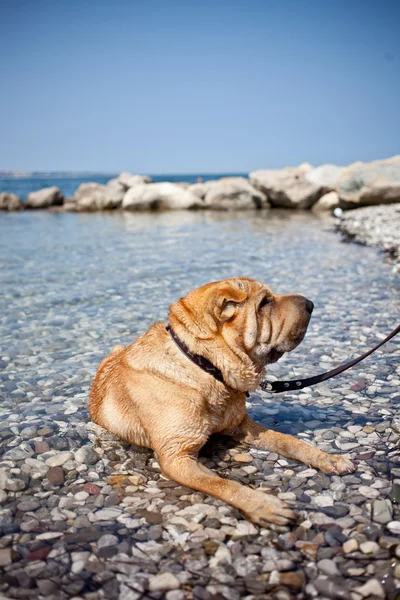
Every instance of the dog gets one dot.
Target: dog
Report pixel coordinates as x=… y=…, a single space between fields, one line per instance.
x=175 y=386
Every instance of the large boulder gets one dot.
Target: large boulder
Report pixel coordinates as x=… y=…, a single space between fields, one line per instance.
x=95 y=196
x=44 y=198
x=327 y=203
x=127 y=180
x=201 y=189
x=10 y=202
x=159 y=196
x=364 y=184
x=234 y=193
x=288 y=187
x=326 y=176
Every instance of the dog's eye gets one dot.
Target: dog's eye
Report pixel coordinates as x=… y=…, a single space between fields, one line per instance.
x=264 y=302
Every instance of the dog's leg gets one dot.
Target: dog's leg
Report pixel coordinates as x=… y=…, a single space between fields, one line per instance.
x=258 y=507
x=252 y=433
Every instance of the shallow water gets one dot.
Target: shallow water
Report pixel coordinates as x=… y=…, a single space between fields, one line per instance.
x=72 y=286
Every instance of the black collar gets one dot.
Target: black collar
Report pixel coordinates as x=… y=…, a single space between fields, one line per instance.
x=198 y=360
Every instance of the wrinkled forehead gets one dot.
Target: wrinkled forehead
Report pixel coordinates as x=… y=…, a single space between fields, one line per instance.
x=251 y=286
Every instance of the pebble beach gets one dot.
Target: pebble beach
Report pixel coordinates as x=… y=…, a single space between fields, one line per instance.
x=86 y=516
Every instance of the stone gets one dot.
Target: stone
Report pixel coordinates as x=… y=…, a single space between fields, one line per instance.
x=5 y=557
x=244 y=528
x=371 y=588
x=59 y=459
x=350 y=545
x=37 y=467
x=328 y=588
x=234 y=193
x=15 y=484
x=28 y=504
x=288 y=187
x=41 y=446
x=107 y=514
x=86 y=455
x=382 y=511
x=23 y=452
x=395 y=492
x=44 y=198
x=107 y=540
x=56 y=475
x=243 y=457
x=127 y=180
x=136 y=478
x=328 y=567
x=394 y=527
x=164 y=581
x=364 y=184
x=49 y=535
x=201 y=189
x=159 y=196
x=91 y=488
x=28 y=432
x=81 y=496
x=368 y=492
x=10 y=202
x=326 y=176
x=327 y=203
x=293 y=579
x=370 y=548
x=91 y=197
x=337 y=511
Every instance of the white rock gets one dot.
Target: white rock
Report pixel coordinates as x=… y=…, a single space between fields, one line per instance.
x=326 y=176
x=10 y=202
x=59 y=459
x=107 y=514
x=234 y=193
x=363 y=184
x=159 y=196
x=244 y=528
x=44 y=198
x=323 y=500
x=81 y=495
x=394 y=527
x=127 y=180
x=369 y=547
x=368 y=492
x=327 y=203
x=164 y=581
x=350 y=545
x=307 y=473
x=49 y=535
x=371 y=588
x=287 y=187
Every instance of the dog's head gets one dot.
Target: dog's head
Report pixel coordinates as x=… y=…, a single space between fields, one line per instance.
x=250 y=318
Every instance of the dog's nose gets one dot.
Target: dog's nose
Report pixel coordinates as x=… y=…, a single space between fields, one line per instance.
x=309 y=306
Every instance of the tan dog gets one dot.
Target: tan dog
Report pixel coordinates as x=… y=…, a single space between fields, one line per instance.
x=151 y=394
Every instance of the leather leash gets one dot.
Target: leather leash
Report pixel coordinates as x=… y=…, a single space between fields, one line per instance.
x=277 y=387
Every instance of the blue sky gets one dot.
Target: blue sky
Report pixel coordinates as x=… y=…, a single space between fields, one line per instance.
x=185 y=86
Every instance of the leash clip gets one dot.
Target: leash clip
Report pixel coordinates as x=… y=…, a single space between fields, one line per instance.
x=266 y=386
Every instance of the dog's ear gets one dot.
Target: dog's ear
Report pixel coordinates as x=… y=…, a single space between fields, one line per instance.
x=224 y=302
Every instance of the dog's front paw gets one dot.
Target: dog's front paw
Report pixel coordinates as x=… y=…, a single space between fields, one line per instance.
x=264 y=509
x=334 y=464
